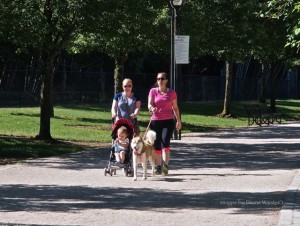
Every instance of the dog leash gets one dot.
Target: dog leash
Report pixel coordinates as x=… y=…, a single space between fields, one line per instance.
x=146 y=130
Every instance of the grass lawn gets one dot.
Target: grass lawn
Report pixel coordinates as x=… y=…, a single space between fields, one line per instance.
x=76 y=127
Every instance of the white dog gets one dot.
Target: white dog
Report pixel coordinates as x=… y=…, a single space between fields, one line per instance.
x=142 y=151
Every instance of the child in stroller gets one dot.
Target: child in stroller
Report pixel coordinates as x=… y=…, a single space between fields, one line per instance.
x=121 y=154
x=121 y=144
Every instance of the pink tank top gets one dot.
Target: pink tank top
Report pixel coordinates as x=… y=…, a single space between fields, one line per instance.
x=163 y=103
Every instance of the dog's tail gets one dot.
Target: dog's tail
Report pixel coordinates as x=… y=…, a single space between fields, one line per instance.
x=151 y=136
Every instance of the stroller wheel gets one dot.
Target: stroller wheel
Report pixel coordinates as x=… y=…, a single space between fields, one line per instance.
x=129 y=173
x=115 y=171
x=111 y=172
x=105 y=171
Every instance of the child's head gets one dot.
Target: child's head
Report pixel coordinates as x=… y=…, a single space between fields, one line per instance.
x=122 y=133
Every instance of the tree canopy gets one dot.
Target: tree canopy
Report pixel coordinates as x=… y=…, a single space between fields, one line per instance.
x=229 y=30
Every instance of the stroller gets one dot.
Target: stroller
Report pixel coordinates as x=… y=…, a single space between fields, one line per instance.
x=111 y=169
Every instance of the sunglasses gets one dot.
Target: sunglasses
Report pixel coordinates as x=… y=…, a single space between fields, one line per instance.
x=127 y=86
x=161 y=79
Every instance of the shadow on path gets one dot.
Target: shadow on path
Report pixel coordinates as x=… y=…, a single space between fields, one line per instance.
x=77 y=198
x=251 y=148
x=273 y=151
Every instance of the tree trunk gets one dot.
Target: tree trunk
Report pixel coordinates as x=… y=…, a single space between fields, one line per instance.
x=263 y=87
x=228 y=86
x=118 y=72
x=117 y=76
x=46 y=97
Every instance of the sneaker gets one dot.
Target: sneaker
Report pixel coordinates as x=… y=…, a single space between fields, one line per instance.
x=165 y=170
x=158 y=170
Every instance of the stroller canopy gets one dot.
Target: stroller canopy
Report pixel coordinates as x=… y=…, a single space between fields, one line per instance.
x=122 y=122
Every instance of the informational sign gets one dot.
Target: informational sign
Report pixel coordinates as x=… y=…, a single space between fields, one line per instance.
x=182 y=43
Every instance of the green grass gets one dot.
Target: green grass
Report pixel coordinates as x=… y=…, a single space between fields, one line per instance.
x=93 y=124
x=79 y=123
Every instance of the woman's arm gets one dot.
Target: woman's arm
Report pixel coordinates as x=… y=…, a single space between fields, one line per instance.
x=177 y=114
x=151 y=108
x=136 y=112
x=114 y=109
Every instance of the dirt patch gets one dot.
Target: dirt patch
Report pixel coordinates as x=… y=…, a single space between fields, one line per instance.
x=88 y=144
x=106 y=128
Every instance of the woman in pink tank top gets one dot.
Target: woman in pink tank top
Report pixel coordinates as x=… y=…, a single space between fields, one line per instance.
x=162 y=104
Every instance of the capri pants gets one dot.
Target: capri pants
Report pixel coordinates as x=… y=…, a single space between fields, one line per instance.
x=164 y=130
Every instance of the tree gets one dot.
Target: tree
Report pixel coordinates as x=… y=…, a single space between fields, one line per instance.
x=288 y=11
x=270 y=44
x=48 y=26
x=127 y=26
x=222 y=30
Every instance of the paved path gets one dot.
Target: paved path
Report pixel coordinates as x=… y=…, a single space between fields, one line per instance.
x=246 y=176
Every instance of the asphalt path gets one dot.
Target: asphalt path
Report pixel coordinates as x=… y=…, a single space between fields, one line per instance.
x=230 y=177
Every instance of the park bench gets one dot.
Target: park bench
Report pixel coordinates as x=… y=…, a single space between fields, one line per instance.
x=261 y=114
x=255 y=116
x=273 y=116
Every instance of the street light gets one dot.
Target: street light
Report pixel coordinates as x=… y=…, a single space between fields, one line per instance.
x=175 y=5
x=175 y=69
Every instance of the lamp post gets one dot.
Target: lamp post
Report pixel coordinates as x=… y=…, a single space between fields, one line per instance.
x=175 y=69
